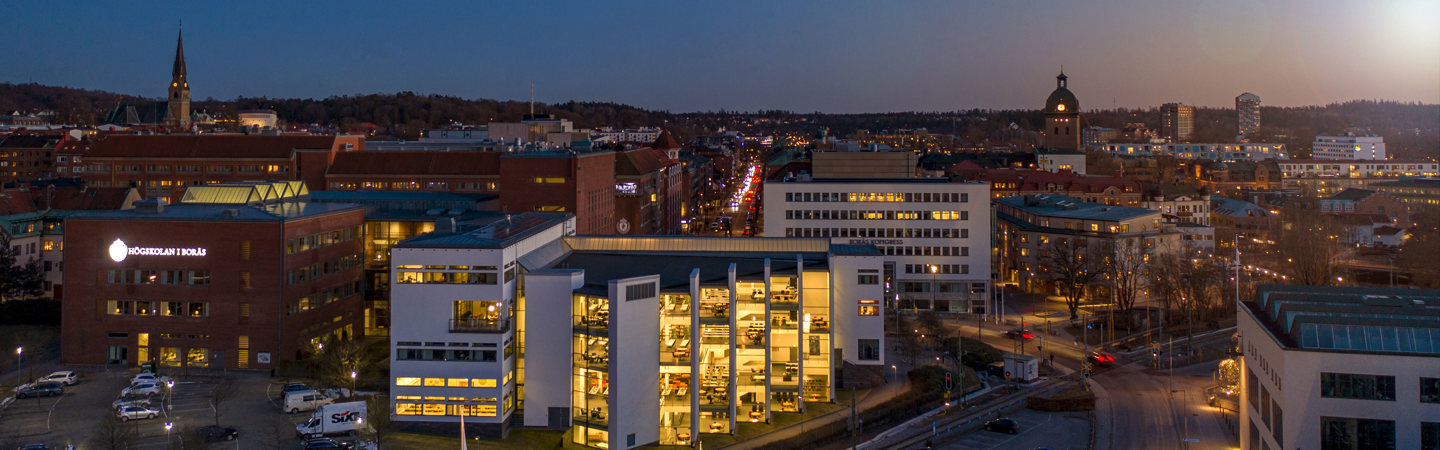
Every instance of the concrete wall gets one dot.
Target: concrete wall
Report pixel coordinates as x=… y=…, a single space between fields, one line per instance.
x=548 y=336
x=634 y=357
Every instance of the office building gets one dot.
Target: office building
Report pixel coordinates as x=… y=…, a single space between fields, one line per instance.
x=1058 y=160
x=1331 y=176
x=1062 y=117
x=934 y=233
x=1340 y=367
x=1348 y=147
x=1247 y=110
x=714 y=331
x=1030 y=228
x=1177 y=121
x=1414 y=191
x=238 y=276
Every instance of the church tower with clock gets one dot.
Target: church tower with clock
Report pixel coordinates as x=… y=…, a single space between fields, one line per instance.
x=1062 y=117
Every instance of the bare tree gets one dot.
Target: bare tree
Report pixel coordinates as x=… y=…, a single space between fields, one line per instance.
x=1072 y=266
x=377 y=417
x=223 y=390
x=1309 y=242
x=112 y=434
x=1126 y=266
x=331 y=365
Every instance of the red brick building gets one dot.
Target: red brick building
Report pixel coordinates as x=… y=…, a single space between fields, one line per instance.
x=28 y=156
x=650 y=190
x=246 y=276
x=162 y=166
x=1005 y=182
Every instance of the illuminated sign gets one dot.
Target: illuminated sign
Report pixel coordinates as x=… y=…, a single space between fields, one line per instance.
x=119 y=251
x=877 y=242
x=627 y=188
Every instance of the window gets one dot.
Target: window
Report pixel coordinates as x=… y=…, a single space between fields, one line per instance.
x=1430 y=435
x=483 y=382
x=1348 y=433
x=407 y=381
x=869 y=307
x=868 y=279
x=869 y=350
x=1359 y=387
x=1429 y=390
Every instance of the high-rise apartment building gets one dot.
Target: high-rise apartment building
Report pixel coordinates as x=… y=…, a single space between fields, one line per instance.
x=1177 y=121
x=1247 y=109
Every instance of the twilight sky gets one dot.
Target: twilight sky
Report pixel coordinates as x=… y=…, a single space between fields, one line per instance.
x=831 y=56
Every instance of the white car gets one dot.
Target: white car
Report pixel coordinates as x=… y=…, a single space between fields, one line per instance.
x=137 y=412
x=64 y=377
x=149 y=378
x=141 y=389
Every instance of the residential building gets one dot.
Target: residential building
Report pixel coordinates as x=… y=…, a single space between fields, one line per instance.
x=1006 y=182
x=1348 y=147
x=28 y=156
x=1339 y=367
x=1223 y=176
x=1413 y=191
x=238 y=276
x=1227 y=213
x=934 y=233
x=1177 y=204
x=1247 y=111
x=642 y=135
x=1330 y=176
x=1242 y=151
x=1030 y=228
x=1177 y=121
x=1093 y=136
x=1062 y=117
x=1366 y=201
x=714 y=331
x=163 y=166
x=33 y=218
x=1056 y=160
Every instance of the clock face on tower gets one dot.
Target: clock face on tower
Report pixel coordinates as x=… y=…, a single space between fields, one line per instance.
x=623 y=226
x=1060 y=107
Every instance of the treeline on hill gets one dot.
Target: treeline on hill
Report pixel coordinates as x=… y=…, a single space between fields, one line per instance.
x=1410 y=129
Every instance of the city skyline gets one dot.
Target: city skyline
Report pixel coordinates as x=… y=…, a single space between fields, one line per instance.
x=844 y=58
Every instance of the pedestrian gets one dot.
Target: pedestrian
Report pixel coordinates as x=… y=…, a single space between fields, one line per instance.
x=1052 y=358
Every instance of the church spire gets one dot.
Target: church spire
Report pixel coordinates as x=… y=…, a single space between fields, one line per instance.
x=178 y=73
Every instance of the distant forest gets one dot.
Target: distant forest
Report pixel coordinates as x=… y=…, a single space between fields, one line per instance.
x=1411 y=130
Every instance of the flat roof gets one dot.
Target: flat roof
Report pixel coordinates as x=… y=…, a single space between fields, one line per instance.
x=1350 y=319
x=1051 y=205
x=272 y=212
x=674 y=268
x=931 y=180
x=487 y=230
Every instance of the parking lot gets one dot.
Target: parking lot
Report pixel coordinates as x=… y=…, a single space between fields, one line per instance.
x=77 y=417
x=1038 y=429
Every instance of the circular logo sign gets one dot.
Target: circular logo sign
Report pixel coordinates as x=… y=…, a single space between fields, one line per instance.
x=623 y=226
x=118 y=250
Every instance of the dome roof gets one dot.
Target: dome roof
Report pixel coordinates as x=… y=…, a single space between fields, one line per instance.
x=1061 y=101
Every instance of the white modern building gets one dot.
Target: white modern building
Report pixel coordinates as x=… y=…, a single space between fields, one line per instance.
x=715 y=331
x=1340 y=367
x=1349 y=147
x=934 y=233
x=1058 y=159
x=1315 y=168
x=1230 y=151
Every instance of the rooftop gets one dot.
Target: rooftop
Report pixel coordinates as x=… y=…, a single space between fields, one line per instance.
x=206 y=146
x=606 y=258
x=486 y=230
x=1351 y=195
x=1350 y=319
x=1433 y=183
x=1051 y=205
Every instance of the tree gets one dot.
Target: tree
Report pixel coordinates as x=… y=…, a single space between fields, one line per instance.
x=377 y=417
x=223 y=390
x=1126 y=266
x=931 y=328
x=112 y=434
x=1227 y=374
x=1072 y=265
x=1309 y=242
x=18 y=281
x=332 y=364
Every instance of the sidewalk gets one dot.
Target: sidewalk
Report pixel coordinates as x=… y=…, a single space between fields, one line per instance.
x=872 y=399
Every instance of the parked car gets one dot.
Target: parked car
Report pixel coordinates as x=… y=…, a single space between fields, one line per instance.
x=141 y=389
x=137 y=412
x=39 y=390
x=149 y=378
x=292 y=387
x=322 y=443
x=211 y=433
x=35 y=447
x=1003 y=425
x=1020 y=333
x=130 y=400
x=64 y=377
x=1223 y=398
x=1101 y=358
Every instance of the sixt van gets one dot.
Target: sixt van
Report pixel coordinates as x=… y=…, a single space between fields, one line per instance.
x=296 y=401
x=333 y=419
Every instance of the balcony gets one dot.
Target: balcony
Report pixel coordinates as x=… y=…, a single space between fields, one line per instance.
x=479 y=326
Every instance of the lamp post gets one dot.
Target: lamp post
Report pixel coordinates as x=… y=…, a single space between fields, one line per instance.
x=352 y=384
x=934 y=287
x=169 y=387
x=19 y=359
x=167 y=432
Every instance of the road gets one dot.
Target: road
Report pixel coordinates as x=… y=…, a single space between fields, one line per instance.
x=1038 y=429
x=1136 y=409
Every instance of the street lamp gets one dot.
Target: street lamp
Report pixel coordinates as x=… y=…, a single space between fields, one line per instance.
x=352 y=383
x=934 y=286
x=167 y=432
x=19 y=361
x=169 y=387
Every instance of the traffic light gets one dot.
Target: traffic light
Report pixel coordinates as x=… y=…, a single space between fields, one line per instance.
x=1007 y=374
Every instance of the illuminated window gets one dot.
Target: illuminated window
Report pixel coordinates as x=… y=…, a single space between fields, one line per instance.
x=407 y=409
x=457 y=382
x=407 y=381
x=432 y=409
x=483 y=383
x=869 y=307
x=434 y=382
x=549 y=180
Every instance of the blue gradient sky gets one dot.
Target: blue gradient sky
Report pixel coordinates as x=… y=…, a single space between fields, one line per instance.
x=831 y=56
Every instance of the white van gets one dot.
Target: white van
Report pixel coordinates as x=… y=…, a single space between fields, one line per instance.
x=306 y=400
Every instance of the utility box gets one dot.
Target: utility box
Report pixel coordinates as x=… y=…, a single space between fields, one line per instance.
x=1021 y=367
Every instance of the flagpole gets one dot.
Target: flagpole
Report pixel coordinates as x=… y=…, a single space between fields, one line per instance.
x=463 y=445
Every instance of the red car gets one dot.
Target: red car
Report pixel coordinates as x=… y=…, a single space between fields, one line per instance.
x=1101 y=358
